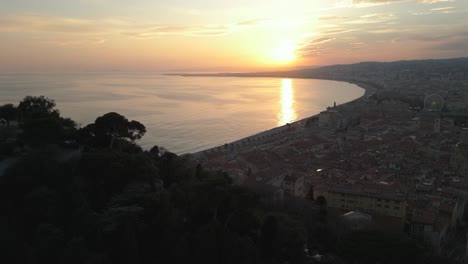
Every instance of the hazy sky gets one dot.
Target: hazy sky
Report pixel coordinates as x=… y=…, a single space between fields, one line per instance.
x=217 y=35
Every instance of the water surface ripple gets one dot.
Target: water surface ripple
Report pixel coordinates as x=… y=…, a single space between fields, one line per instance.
x=182 y=114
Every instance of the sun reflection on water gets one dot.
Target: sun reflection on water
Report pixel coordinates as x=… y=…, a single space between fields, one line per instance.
x=288 y=113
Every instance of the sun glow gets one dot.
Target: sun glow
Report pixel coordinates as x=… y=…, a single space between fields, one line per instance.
x=283 y=53
x=288 y=113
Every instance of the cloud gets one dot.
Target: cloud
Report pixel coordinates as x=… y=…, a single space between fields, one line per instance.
x=330 y=46
x=158 y=31
x=442 y=8
x=392 y=1
x=50 y=24
x=253 y=22
x=206 y=30
x=336 y=31
x=373 y=18
x=443 y=38
x=106 y=26
x=434 y=1
x=69 y=42
x=314 y=47
x=388 y=31
x=320 y=41
x=435 y=34
x=421 y=13
x=331 y=17
x=365 y=3
x=458 y=44
x=311 y=51
x=358 y=2
x=200 y=30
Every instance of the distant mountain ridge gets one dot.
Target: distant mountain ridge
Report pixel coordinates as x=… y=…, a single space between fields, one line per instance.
x=347 y=71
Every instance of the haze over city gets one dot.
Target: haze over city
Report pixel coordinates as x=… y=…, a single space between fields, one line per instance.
x=183 y=35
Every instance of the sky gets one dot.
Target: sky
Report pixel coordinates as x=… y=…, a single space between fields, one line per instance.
x=219 y=36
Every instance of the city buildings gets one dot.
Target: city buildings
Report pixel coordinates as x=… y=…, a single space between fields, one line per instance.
x=398 y=154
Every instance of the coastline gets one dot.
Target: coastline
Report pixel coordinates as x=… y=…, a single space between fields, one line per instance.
x=249 y=141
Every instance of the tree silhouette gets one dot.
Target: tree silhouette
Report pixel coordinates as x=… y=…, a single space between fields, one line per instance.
x=32 y=105
x=113 y=127
x=8 y=112
x=40 y=120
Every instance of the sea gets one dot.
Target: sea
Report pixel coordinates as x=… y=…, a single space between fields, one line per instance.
x=182 y=114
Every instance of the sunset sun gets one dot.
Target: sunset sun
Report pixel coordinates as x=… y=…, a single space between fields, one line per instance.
x=284 y=52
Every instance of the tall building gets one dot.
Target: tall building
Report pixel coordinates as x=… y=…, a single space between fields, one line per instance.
x=430 y=118
x=460 y=157
x=293 y=184
x=329 y=118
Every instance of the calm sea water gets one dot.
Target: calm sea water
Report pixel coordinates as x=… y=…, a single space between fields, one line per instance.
x=183 y=114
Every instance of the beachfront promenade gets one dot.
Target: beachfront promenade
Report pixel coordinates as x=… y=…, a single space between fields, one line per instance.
x=276 y=136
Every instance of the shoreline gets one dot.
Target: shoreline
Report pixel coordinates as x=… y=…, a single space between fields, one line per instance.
x=240 y=144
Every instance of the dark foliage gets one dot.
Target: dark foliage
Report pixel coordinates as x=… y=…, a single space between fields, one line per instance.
x=383 y=247
x=41 y=122
x=111 y=128
x=8 y=112
x=118 y=207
